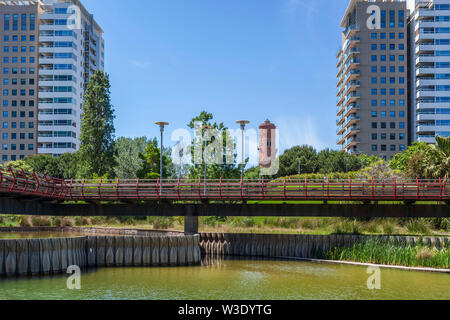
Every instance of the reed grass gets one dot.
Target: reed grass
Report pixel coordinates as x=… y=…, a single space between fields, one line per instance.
x=378 y=252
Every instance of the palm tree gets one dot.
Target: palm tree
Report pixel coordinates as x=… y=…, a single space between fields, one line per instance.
x=438 y=165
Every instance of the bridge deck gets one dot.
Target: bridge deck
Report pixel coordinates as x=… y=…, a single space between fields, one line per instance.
x=21 y=184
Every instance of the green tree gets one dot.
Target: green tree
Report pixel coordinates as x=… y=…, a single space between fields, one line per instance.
x=97 y=127
x=44 y=164
x=127 y=157
x=289 y=161
x=401 y=160
x=437 y=164
x=226 y=170
x=150 y=160
x=19 y=165
x=339 y=161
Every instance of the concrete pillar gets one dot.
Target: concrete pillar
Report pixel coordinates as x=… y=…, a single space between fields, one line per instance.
x=63 y=254
x=83 y=250
x=154 y=241
x=11 y=257
x=181 y=251
x=92 y=251
x=109 y=252
x=190 y=225
x=2 y=258
x=22 y=257
x=173 y=251
x=196 y=248
x=34 y=253
x=101 y=251
x=69 y=252
x=146 y=252
x=164 y=251
x=45 y=255
x=118 y=251
x=137 y=251
x=55 y=255
x=128 y=251
x=190 y=250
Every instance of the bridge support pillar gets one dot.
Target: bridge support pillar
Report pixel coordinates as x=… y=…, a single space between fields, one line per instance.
x=190 y=225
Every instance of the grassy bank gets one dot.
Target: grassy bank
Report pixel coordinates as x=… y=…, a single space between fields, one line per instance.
x=391 y=254
x=280 y=225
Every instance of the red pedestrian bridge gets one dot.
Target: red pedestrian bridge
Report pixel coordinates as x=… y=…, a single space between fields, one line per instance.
x=31 y=193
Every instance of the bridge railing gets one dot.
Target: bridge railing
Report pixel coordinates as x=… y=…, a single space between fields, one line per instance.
x=21 y=183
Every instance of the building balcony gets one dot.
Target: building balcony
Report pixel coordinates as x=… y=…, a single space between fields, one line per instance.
x=352 y=120
x=430 y=139
x=351 y=131
x=352 y=31
x=352 y=142
x=351 y=43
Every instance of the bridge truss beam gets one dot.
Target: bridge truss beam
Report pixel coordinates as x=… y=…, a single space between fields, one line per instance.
x=33 y=207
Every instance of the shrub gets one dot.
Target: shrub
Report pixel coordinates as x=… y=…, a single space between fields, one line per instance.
x=25 y=221
x=41 y=221
x=163 y=222
x=82 y=221
x=373 y=227
x=64 y=222
x=388 y=228
x=97 y=220
x=421 y=226
x=347 y=226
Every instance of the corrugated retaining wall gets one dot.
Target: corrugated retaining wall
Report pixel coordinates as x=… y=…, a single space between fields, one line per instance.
x=24 y=257
x=296 y=246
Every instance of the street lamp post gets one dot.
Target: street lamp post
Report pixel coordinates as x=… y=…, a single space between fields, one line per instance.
x=243 y=123
x=205 y=158
x=161 y=127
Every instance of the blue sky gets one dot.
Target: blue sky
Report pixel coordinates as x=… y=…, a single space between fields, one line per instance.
x=238 y=59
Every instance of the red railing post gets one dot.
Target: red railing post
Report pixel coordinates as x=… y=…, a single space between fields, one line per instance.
x=157 y=189
x=242 y=191
x=61 y=182
x=14 y=179
x=262 y=188
x=137 y=189
x=199 y=189
x=178 y=189
x=440 y=189
x=70 y=189
x=284 y=190
x=100 y=188
x=306 y=188
x=373 y=190
x=328 y=189
x=117 y=189
x=54 y=187
x=26 y=181
x=350 y=188
x=220 y=188
x=418 y=189
x=82 y=188
x=395 y=189
x=36 y=190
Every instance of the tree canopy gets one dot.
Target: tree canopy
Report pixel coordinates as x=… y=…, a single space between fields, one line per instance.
x=97 y=128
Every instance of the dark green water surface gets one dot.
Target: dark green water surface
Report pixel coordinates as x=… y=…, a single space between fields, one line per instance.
x=234 y=279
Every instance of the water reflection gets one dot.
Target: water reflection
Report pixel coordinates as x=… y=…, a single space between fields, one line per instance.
x=233 y=278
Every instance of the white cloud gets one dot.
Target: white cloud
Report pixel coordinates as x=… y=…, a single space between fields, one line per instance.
x=299 y=131
x=140 y=64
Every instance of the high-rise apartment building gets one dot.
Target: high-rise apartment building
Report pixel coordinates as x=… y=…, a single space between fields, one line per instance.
x=49 y=49
x=372 y=87
x=430 y=69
